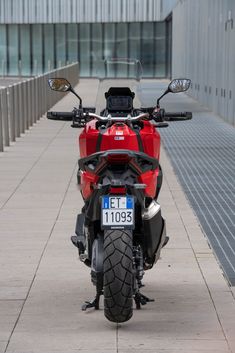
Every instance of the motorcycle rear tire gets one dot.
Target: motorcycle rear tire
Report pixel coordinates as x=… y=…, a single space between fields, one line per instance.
x=118 y=275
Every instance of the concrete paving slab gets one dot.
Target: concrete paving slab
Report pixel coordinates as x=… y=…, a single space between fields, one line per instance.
x=9 y=311
x=3 y=345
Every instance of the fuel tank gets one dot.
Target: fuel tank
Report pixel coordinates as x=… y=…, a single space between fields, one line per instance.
x=141 y=137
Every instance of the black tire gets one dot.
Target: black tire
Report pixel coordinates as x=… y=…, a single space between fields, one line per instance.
x=118 y=275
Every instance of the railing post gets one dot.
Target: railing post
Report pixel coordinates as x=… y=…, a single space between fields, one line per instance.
x=36 y=99
x=5 y=123
x=30 y=102
x=20 y=105
x=1 y=129
x=17 y=111
x=25 y=113
x=27 y=102
x=10 y=98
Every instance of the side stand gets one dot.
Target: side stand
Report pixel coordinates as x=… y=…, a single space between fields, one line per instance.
x=141 y=299
x=93 y=304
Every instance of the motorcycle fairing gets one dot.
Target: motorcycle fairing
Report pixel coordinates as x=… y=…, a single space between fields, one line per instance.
x=125 y=170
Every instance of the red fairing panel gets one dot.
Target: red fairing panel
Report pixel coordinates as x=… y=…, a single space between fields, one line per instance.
x=151 y=140
x=119 y=136
x=87 y=182
x=88 y=139
x=150 y=179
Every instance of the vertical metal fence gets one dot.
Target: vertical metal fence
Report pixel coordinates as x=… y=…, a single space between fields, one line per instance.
x=22 y=104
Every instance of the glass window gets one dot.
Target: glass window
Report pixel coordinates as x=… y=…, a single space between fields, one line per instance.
x=13 y=49
x=84 y=49
x=134 y=47
x=25 y=59
x=147 y=49
x=37 y=49
x=121 y=50
x=72 y=43
x=160 y=50
x=49 y=53
x=97 y=50
x=60 y=45
x=109 y=48
x=3 y=50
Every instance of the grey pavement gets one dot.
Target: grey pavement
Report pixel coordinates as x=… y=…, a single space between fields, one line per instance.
x=43 y=285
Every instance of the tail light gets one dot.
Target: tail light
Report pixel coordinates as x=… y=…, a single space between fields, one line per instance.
x=118 y=158
x=118 y=191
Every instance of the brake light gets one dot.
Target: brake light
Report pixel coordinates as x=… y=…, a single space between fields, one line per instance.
x=118 y=191
x=118 y=158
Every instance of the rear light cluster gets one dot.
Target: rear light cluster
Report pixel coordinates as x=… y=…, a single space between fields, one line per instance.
x=98 y=162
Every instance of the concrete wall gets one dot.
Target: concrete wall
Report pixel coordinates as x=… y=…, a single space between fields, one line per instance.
x=166 y=7
x=78 y=11
x=204 y=50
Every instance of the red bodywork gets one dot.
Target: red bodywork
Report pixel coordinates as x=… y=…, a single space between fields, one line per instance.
x=120 y=136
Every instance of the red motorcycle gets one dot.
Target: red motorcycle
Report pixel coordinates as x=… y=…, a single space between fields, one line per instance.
x=120 y=231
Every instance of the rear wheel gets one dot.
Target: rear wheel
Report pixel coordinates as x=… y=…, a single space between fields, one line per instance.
x=118 y=275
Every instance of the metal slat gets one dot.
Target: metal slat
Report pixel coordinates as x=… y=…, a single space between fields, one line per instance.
x=5 y=122
x=10 y=90
x=1 y=128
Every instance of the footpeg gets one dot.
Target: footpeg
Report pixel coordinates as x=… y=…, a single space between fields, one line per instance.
x=79 y=242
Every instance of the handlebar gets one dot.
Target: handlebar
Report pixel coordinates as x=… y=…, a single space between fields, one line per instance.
x=126 y=118
x=168 y=116
x=79 y=115
x=68 y=116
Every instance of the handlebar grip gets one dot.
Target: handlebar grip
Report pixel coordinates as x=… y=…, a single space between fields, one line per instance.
x=66 y=116
x=168 y=116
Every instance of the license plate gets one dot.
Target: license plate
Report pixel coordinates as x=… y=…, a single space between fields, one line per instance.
x=117 y=212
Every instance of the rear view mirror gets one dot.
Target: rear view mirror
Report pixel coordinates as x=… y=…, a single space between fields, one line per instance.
x=179 y=85
x=59 y=84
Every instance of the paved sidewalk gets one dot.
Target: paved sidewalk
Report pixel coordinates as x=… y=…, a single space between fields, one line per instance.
x=42 y=283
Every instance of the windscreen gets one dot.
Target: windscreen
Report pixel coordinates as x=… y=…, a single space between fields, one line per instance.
x=115 y=69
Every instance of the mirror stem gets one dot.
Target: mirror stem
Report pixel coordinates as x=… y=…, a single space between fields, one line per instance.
x=80 y=99
x=158 y=104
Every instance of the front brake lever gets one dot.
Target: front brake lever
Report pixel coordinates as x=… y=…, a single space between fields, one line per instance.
x=161 y=125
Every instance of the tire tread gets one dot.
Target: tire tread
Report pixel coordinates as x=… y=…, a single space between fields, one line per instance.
x=118 y=275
